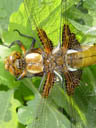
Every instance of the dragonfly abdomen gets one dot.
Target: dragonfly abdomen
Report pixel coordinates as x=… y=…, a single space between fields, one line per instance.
x=82 y=58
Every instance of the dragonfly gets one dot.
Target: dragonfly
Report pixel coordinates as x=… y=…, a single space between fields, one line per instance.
x=51 y=63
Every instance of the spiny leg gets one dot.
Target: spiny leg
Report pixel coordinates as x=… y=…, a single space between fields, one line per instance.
x=27 y=36
x=21 y=34
x=22 y=75
x=19 y=43
x=59 y=76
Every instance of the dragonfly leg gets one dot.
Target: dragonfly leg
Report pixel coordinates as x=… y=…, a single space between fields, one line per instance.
x=59 y=76
x=19 y=43
x=22 y=75
x=33 y=44
x=21 y=34
x=27 y=36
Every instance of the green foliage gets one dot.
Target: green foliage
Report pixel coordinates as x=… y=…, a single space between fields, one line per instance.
x=34 y=112
x=8 y=105
x=6 y=8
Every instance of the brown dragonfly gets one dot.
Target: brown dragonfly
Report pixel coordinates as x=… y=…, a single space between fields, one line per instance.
x=66 y=59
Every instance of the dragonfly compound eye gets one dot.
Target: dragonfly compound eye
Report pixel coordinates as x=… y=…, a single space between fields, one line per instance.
x=13 y=63
x=6 y=63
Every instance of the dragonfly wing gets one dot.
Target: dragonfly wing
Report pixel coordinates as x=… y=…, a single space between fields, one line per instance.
x=65 y=36
x=46 y=114
x=72 y=80
x=48 y=84
x=33 y=15
x=46 y=42
x=30 y=7
x=69 y=40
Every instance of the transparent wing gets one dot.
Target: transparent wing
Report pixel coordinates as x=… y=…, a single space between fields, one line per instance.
x=36 y=10
x=34 y=13
x=45 y=111
x=69 y=40
x=72 y=79
x=75 y=107
x=59 y=112
x=78 y=104
x=44 y=14
x=46 y=115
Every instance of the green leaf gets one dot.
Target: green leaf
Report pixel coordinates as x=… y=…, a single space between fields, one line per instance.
x=5 y=105
x=6 y=9
x=23 y=93
x=8 y=105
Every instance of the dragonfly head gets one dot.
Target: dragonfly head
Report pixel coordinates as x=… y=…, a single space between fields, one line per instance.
x=14 y=63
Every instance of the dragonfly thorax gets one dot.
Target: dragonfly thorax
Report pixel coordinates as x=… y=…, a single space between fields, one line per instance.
x=56 y=62
x=34 y=63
